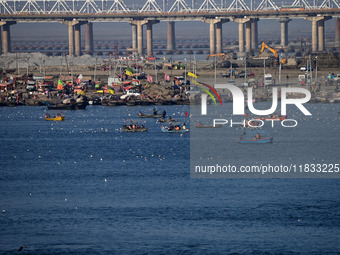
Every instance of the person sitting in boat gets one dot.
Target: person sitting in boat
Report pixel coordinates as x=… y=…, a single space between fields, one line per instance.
x=140 y=113
x=183 y=127
x=164 y=113
x=58 y=115
x=154 y=111
x=171 y=127
x=257 y=137
x=47 y=115
x=138 y=127
x=142 y=126
x=177 y=128
x=199 y=124
x=130 y=126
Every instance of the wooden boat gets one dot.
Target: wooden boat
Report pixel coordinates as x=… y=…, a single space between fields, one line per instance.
x=62 y=107
x=208 y=126
x=274 y=117
x=262 y=140
x=79 y=106
x=166 y=130
x=167 y=120
x=57 y=118
x=150 y=115
x=127 y=129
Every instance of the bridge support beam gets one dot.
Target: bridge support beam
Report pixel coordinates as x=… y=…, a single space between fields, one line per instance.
x=139 y=24
x=215 y=44
x=248 y=37
x=337 y=33
x=284 y=31
x=73 y=36
x=219 y=42
x=89 y=37
x=315 y=38
x=171 y=38
x=241 y=22
x=134 y=37
x=149 y=40
x=77 y=40
x=254 y=34
x=321 y=32
x=6 y=36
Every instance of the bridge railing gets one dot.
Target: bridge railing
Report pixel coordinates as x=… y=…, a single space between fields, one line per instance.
x=119 y=6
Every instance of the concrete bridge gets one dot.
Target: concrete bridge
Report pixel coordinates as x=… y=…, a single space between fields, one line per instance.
x=76 y=13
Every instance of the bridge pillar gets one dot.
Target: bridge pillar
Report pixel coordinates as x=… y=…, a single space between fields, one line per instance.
x=321 y=32
x=241 y=22
x=71 y=25
x=337 y=33
x=248 y=37
x=284 y=31
x=219 y=35
x=89 y=37
x=149 y=42
x=254 y=34
x=315 y=39
x=77 y=40
x=70 y=40
x=134 y=36
x=6 y=36
x=139 y=24
x=213 y=36
x=171 y=38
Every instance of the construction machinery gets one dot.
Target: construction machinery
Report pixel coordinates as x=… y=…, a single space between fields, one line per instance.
x=222 y=56
x=277 y=59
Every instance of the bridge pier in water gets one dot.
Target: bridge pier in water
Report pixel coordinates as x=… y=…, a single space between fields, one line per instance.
x=284 y=31
x=171 y=37
x=6 y=36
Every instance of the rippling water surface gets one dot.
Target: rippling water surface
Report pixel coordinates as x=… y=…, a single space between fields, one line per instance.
x=82 y=186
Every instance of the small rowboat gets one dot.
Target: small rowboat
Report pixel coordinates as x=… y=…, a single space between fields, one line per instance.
x=168 y=120
x=272 y=118
x=126 y=129
x=58 y=118
x=208 y=126
x=262 y=140
x=150 y=116
x=166 y=130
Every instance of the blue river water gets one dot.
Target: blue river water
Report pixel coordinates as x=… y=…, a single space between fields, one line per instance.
x=82 y=186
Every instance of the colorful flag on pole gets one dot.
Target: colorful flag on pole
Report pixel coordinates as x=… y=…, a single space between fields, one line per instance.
x=130 y=69
x=60 y=85
x=79 y=78
x=127 y=72
x=149 y=78
x=166 y=77
x=192 y=75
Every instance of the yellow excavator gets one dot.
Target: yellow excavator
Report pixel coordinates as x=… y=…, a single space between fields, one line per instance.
x=265 y=46
x=222 y=56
